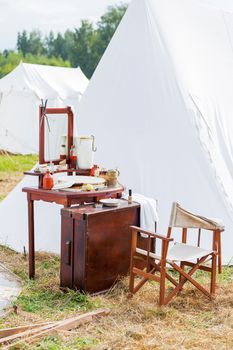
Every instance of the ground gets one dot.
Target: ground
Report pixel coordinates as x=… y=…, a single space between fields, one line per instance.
x=190 y=321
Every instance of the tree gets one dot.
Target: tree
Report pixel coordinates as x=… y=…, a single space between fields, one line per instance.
x=49 y=44
x=107 y=26
x=90 y=43
x=30 y=43
x=36 y=46
x=82 y=53
x=22 y=42
x=55 y=46
x=69 y=42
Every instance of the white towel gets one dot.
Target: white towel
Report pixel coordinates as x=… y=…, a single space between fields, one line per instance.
x=149 y=211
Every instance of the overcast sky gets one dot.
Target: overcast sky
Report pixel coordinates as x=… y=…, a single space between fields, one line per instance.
x=46 y=15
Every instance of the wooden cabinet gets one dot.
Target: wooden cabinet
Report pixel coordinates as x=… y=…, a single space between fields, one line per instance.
x=95 y=246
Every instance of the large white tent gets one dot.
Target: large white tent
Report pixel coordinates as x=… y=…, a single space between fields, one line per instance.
x=21 y=92
x=164 y=93
x=160 y=105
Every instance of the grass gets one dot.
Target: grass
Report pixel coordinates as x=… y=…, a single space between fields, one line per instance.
x=42 y=300
x=16 y=163
x=42 y=297
x=190 y=322
x=11 y=170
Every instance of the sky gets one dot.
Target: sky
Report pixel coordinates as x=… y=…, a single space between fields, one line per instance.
x=46 y=15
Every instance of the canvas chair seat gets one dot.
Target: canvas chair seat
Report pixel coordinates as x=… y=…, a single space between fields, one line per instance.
x=179 y=252
x=185 y=252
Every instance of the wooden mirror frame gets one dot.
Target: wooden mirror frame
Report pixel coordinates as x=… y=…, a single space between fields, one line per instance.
x=55 y=111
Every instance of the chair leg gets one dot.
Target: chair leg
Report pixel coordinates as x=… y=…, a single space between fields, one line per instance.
x=181 y=278
x=162 y=283
x=213 y=275
x=182 y=267
x=217 y=246
x=131 y=282
x=133 y=251
x=219 y=253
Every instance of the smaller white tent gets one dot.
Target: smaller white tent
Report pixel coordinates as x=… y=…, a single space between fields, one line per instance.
x=21 y=92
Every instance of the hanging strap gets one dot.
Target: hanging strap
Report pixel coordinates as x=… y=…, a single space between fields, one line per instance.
x=44 y=115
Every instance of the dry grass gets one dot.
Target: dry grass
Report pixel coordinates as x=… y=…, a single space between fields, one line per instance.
x=7 y=183
x=189 y=322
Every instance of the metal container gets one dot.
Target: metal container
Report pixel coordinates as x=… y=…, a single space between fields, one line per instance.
x=112 y=177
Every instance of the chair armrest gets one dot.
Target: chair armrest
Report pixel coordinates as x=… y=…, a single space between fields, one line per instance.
x=151 y=234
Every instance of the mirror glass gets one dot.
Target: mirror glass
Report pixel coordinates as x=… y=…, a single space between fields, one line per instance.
x=55 y=128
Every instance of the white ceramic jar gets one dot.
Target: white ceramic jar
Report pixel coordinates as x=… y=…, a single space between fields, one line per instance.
x=85 y=151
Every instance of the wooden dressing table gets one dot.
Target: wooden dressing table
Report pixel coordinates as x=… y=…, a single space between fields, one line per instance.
x=62 y=197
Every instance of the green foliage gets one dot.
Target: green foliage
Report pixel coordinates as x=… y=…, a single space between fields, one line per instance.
x=83 y=54
x=56 y=343
x=39 y=300
x=108 y=25
x=60 y=46
x=90 y=43
x=30 y=43
x=42 y=59
x=10 y=59
x=84 y=46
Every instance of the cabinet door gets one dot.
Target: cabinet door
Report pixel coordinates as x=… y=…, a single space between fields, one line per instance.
x=67 y=256
x=80 y=268
x=108 y=247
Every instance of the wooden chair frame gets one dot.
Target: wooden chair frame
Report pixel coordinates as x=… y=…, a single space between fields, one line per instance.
x=161 y=267
x=216 y=244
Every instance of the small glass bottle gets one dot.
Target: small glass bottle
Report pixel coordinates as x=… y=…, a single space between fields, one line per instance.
x=130 y=197
x=48 y=181
x=93 y=170
x=73 y=157
x=63 y=152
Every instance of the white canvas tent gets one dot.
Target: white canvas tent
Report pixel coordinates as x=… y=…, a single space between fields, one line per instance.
x=164 y=93
x=160 y=105
x=21 y=92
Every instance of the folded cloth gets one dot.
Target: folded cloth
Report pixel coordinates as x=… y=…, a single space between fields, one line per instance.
x=148 y=213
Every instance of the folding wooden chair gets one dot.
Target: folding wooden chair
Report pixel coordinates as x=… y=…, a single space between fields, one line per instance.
x=179 y=256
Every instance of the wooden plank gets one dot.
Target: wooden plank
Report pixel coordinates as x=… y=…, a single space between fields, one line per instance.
x=25 y=334
x=146 y=275
x=6 y=332
x=74 y=322
x=202 y=267
x=31 y=336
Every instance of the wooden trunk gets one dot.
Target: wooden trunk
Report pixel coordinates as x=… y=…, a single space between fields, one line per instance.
x=95 y=246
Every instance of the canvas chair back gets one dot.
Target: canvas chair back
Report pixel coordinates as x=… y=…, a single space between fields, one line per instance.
x=185 y=219
x=181 y=218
